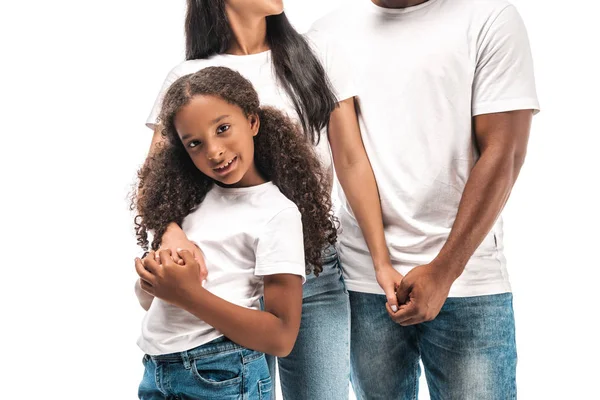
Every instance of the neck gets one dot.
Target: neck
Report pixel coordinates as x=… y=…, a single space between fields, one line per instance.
x=249 y=34
x=397 y=3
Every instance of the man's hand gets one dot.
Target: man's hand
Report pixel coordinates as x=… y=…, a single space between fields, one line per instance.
x=175 y=240
x=421 y=294
x=388 y=278
x=168 y=280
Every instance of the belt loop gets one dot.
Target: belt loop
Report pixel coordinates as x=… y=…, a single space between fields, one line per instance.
x=186 y=360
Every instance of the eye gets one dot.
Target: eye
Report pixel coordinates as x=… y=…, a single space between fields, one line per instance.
x=194 y=143
x=223 y=128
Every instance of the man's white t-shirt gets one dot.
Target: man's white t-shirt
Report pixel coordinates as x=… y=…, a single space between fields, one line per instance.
x=421 y=74
x=258 y=69
x=244 y=234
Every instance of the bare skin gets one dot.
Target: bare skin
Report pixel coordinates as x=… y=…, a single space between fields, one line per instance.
x=358 y=181
x=502 y=140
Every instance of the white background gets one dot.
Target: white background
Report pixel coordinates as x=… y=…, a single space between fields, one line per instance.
x=77 y=81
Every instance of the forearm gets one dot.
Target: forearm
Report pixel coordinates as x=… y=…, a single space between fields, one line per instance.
x=357 y=179
x=484 y=197
x=360 y=188
x=257 y=330
x=143 y=297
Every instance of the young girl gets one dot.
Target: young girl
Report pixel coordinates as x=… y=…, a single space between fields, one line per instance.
x=304 y=77
x=247 y=187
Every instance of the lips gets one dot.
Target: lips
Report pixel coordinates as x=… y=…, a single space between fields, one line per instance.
x=225 y=167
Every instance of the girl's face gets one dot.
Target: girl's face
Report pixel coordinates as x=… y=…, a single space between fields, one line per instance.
x=260 y=8
x=220 y=140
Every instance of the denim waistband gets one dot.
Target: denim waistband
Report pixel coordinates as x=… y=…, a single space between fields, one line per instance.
x=219 y=345
x=330 y=279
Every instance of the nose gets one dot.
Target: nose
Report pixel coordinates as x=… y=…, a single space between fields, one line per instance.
x=215 y=153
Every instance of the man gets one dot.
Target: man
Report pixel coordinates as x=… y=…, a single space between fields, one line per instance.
x=446 y=94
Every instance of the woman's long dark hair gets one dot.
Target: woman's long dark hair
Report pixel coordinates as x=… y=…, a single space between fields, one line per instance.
x=170 y=185
x=298 y=70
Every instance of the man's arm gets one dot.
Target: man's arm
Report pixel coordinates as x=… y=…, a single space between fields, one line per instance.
x=502 y=140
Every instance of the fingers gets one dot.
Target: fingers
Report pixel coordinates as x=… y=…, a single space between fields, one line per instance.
x=146 y=287
x=166 y=257
x=171 y=253
x=186 y=256
x=408 y=314
x=176 y=257
x=150 y=264
x=199 y=257
x=390 y=295
x=144 y=274
x=403 y=292
x=390 y=311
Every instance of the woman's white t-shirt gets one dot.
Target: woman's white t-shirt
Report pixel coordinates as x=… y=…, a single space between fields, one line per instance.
x=244 y=234
x=258 y=69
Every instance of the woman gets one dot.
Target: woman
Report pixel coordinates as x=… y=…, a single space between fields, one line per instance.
x=256 y=39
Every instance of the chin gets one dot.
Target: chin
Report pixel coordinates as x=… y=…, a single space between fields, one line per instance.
x=276 y=7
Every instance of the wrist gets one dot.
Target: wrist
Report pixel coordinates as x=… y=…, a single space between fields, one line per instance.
x=382 y=265
x=450 y=268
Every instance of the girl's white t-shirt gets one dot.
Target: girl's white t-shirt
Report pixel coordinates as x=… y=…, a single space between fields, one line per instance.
x=258 y=69
x=244 y=234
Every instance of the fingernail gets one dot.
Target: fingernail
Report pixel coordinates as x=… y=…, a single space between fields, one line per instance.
x=394 y=308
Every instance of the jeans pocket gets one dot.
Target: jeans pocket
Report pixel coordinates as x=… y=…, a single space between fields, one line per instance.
x=221 y=370
x=265 y=387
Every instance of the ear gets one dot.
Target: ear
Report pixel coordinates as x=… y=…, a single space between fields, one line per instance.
x=254 y=123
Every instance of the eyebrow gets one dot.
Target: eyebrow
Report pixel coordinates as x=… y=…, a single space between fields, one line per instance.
x=213 y=122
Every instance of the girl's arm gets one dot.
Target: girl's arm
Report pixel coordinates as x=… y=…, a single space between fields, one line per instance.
x=360 y=188
x=272 y=331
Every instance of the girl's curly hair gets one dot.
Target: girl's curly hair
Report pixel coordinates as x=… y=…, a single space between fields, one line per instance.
x=170 y=186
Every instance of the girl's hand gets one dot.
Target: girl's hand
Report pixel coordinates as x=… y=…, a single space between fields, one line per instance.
x=174 y=240
x=168 y=280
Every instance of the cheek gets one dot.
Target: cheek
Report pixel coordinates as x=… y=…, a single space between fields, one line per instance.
x=200 y=162
x=248 y=149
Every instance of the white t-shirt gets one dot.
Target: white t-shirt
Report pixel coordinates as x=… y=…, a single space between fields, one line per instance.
x=244 y=234
x=258 y=69
x=421 y=74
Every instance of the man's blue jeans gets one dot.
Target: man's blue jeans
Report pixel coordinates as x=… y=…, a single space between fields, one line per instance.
x=468 y=350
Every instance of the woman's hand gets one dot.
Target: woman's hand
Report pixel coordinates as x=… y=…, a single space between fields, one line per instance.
x=172 y=282
x=175 y=240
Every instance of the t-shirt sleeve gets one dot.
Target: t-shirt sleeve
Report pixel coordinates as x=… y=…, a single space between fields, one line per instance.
x=335 y=62
x=280 y=246
x=504 y=78
x=152 y=119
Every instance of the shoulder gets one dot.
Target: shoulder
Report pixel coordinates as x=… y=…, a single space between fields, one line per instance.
x=189 y=67
x=333 y=21
x=278 y=203
x=483 y=10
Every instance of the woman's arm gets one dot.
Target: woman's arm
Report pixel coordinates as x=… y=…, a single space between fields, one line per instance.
x=272 y=331
x=360 y=188
x=174 y=238
x=144 y=298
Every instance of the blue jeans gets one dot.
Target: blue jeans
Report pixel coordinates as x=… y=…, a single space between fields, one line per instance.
x=318 y=367
x=219 y=370
x=468 y=350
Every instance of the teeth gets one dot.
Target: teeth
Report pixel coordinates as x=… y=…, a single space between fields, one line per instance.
x=226 y=165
